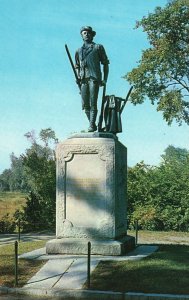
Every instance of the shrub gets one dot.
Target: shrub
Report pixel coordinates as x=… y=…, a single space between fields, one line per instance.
x=7 y=224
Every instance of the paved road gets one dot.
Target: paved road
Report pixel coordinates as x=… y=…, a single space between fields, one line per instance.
x=22 y=297
x=27 y=237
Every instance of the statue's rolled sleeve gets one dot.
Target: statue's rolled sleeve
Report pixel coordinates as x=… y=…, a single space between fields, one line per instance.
x=103 y=57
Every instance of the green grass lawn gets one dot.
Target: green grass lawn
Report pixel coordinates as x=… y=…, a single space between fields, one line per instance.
x=26 y=268
x=10 y=202
x=166 y=271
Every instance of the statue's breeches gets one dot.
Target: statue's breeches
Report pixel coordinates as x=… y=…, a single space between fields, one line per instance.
x=89 y=94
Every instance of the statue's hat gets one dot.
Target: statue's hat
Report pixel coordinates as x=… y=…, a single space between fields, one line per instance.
x=88 y=28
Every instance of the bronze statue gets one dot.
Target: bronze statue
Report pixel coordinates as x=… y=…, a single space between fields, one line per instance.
x=88 y=75
x=88 y=61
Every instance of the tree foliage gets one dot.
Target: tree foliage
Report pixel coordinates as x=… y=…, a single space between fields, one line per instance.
x=13 y=179
x=7 y=224
x=5 y=180
x=34 y=173
x=163 y=71
x=159 y=196
x=40 y=170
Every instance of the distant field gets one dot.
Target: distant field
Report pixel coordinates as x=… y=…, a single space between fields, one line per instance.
x=10 y=202
x=161 y=237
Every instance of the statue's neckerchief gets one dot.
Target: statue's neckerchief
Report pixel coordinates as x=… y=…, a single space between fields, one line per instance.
x=85 y=50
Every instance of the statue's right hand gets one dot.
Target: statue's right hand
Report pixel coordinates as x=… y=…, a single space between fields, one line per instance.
x=78 y=81
x=103 y=83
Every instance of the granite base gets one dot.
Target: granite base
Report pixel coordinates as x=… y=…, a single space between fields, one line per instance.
x=99 y=247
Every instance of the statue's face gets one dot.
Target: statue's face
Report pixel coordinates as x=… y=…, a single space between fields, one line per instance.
x=87 y=36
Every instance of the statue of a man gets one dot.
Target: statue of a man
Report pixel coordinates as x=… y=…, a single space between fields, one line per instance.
x=88 y=65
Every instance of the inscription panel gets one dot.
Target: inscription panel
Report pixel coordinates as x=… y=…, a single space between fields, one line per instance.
x=85 y=190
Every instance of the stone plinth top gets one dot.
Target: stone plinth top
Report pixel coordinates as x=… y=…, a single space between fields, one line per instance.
x=94 y=135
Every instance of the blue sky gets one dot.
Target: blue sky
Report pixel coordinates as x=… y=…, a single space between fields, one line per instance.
x=37 y=86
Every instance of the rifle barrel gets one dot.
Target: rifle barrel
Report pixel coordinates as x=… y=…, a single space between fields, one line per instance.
x=72 y=65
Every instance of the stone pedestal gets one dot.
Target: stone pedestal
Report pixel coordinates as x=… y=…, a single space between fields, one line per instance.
x=91 y=196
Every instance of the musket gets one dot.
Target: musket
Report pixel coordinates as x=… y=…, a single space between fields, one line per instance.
x=73 y=67
x=102 y=109
x=126 y=99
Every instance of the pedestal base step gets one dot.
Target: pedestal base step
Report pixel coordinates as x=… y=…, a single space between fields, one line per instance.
x=99 y=247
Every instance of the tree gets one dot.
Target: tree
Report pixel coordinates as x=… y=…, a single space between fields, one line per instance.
x=174 y=155
x=163 y=71
x=173 y=186
x=158 y=196
x=14 y=179
x=40 y=170
x=34 y=172
x=141 y=196
x=31 y=216
x=47 y=135
x=4 y=180
x=18 y=180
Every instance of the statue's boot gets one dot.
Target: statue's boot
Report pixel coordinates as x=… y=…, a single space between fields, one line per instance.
x=93 y=126
x=87 y=112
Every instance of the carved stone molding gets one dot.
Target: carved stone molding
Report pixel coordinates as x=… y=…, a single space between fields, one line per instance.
x=67 y=151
